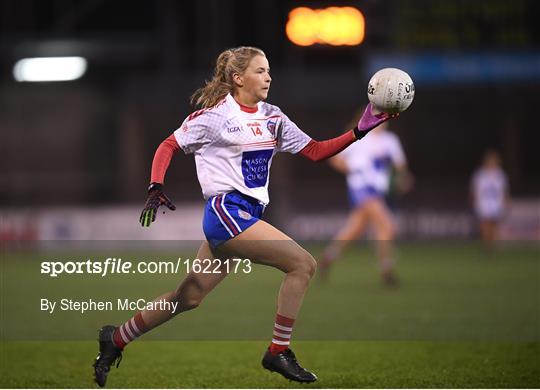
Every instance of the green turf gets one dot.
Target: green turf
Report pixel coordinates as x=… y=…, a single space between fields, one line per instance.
x=356 y=364
x=459 y=319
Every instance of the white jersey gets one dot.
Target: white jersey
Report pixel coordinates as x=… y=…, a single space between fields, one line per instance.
x=369 y=161
x=489 y=188
x=234 y=148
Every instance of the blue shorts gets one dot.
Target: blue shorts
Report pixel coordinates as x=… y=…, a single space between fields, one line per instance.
x=358 y=196
x=228 y=215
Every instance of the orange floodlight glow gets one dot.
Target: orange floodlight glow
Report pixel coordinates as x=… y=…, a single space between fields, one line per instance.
x=335 y=26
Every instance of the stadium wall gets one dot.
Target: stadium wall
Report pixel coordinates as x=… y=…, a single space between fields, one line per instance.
x=120 y=223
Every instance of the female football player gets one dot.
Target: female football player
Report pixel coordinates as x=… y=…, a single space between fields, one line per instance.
x=234 y=137
x=368 y=166
x=490 y=196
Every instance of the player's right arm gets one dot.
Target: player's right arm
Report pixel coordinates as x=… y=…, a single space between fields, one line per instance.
x=156 y=196
x=506 y=190
x=190 y=137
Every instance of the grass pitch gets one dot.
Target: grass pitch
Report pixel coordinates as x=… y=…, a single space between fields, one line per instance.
x=459 y=319
x=228 y=364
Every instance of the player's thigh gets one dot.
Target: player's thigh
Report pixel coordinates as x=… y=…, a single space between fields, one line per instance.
x=354 y=226
x=490 y=227
x=379 y=216
x=262 y=243
x=201 y=283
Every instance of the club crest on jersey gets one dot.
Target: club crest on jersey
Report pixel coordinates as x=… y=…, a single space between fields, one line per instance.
x=244 y=215
x=271 y=126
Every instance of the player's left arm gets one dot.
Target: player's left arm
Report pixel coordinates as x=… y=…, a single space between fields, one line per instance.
x=506 y=193
x=339 y=164
x=404 y=178
x=321 y=150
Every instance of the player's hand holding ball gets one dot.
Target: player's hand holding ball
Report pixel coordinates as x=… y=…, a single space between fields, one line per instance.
x=370 y=120
x=156 y=198
x=390 y=92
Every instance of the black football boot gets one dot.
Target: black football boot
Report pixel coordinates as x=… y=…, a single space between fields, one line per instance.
x=108 y=355
x=286 y=364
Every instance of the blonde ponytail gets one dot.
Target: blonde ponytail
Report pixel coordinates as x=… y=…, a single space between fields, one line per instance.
x=228 y=63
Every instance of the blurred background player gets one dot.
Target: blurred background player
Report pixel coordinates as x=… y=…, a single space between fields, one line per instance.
x=368 y=167
x=490 y=196
x=234 y=138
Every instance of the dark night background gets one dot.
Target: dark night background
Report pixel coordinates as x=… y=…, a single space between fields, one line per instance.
x=91 y=141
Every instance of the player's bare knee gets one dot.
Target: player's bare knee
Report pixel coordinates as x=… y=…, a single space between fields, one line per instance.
x=386 y=232
x=190 y=304
x=312 y=266
x=187 y=300
x=306 y=266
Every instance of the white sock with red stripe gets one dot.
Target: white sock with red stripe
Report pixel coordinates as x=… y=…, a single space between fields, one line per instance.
x=282 y=334
x=129 y=331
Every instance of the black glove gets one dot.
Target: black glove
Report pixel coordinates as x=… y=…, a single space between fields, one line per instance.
x=156 y=198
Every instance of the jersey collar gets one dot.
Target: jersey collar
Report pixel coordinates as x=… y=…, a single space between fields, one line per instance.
x=249 y=110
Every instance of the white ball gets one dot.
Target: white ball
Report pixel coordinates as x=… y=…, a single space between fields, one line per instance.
x=391 y=90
